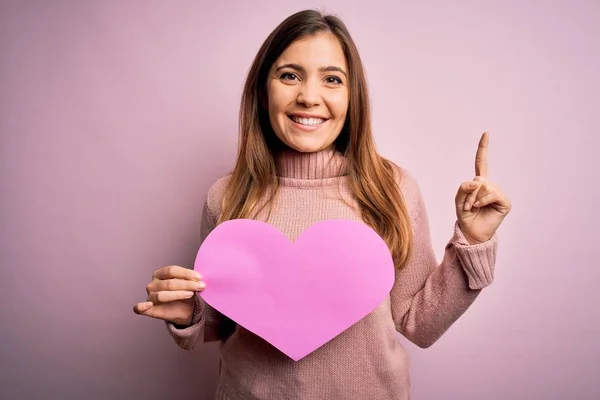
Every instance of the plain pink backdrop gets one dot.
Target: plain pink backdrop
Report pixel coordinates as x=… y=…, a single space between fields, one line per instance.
x=115 y=117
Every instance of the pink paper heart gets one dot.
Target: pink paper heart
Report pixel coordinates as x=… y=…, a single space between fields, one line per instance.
x=297 y=296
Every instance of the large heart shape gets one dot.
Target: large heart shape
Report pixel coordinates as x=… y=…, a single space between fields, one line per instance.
x=297 y=296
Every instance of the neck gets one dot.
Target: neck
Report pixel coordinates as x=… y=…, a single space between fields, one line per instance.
x=317 y=165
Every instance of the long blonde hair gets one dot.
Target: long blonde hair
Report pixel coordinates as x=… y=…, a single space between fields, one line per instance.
x=371 y=177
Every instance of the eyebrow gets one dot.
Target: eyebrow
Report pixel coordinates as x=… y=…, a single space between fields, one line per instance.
x=300 y=68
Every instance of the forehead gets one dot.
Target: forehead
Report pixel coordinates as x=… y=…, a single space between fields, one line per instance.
x=315 y=51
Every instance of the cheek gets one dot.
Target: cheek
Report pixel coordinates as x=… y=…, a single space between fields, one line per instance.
x=338 y=104
x=279 y=98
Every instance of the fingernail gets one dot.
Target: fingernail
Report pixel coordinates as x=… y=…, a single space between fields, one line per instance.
x=148 y=304
x=467 y=206
x=476 y=204
x=197 y=276
x=472 y=184
x=189 y=294
x=201 y=285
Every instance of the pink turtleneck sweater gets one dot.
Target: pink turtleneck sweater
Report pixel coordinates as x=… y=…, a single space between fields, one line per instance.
x=365 y=362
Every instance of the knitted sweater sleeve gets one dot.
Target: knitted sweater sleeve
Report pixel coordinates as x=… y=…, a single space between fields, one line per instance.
x=207 y=323
x=427 y=296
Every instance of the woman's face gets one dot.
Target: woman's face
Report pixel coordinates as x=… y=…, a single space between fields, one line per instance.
x=307 y=93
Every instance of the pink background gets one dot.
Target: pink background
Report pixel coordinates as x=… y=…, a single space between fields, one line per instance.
x=115 y=117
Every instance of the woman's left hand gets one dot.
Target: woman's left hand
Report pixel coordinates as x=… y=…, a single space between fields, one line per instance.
x=481 y=206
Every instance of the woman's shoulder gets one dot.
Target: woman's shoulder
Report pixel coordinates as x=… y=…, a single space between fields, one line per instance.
x=409 y=188
x=406 y=181
x=215 y=194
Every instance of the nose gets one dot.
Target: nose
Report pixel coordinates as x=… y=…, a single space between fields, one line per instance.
x=309 y=94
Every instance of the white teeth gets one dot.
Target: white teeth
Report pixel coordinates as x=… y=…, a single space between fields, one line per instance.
x=308 y=121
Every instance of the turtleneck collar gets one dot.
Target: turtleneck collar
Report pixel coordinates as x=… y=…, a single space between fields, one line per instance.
x=310 y=166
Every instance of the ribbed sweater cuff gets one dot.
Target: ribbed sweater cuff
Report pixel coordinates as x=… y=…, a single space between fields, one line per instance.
x=188 y=336
x=477 y=260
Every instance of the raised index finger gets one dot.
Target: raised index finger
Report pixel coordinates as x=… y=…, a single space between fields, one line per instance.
x=177 y=272
x=481 y=167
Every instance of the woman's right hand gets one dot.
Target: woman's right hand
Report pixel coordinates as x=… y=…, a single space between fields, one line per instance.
x=171 y=295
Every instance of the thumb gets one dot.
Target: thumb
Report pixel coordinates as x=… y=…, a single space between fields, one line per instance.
x=144 y=308
x=160 y=311
x=148 y=309
x=465 y=189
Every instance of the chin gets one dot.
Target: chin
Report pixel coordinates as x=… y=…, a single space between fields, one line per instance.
x=303 y=147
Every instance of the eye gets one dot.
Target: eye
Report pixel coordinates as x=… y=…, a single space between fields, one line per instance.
x=333 y=80
x=289 y=76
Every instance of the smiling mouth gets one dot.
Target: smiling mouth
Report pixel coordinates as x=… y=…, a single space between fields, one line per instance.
x=307 y=121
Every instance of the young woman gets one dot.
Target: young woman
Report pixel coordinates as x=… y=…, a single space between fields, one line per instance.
x=307 y=154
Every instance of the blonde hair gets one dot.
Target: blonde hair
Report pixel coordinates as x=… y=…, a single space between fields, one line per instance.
x=371 y=177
